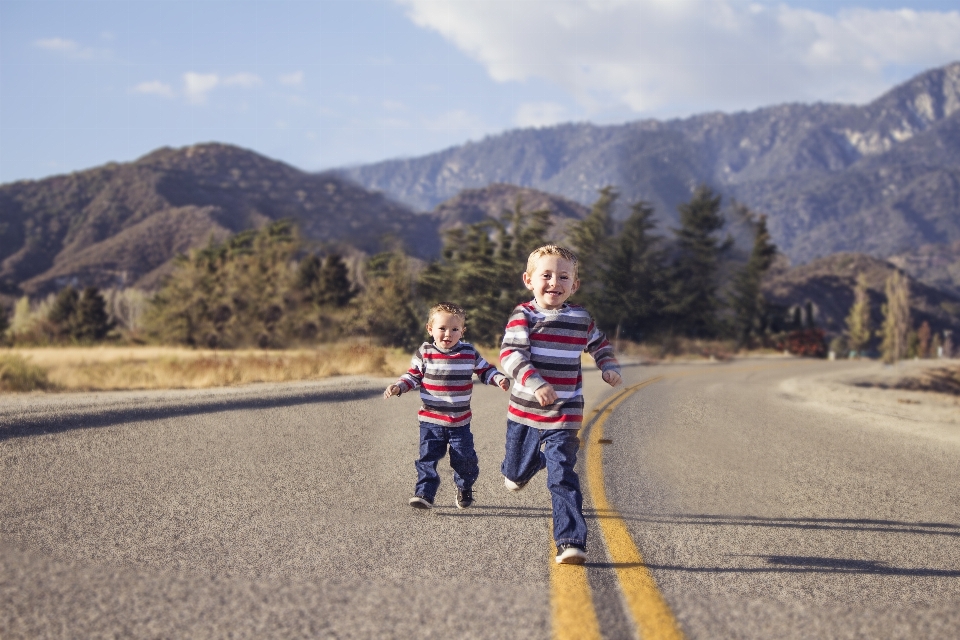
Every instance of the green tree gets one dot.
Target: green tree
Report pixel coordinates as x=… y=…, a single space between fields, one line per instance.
x=749 y=305
x=63 y=313
x=92 y=323
x=858 y=319
x=896 y=318
x=632 y=296
x=326 y=282
x=386 y=309
x=231 y=294
x=480 y=269
x=694 y=303
x=590 y=239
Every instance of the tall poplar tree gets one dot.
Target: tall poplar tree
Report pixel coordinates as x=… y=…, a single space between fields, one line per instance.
x=858 y=319
x=896 y=318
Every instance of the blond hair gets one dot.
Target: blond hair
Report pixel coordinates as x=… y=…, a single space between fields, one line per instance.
x=552 y=250
x=447 y=307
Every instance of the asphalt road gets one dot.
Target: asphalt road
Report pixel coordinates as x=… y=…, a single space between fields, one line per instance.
x=280 y=511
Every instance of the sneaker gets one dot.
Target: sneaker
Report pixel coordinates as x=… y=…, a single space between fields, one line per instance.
x=571 y=554
x=513 y=486
x=421 y=502
x=464 y=498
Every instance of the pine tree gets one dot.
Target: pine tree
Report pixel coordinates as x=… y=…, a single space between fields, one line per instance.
x=63 y=313
x=694 y=302
x=858 y=319
x=590 y=239
x=748 y=302
x=632 y=295
x=896 y=318
x=335 y=289
x=92 y=322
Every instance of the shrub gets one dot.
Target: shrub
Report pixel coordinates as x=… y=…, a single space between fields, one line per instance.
x=17 y=374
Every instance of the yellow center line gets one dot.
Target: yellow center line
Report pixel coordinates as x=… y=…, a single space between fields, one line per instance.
x=649 y=610
x=572 y=611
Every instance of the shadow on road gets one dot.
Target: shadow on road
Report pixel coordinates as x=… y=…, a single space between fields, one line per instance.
x=797 y=564
x=50 y=422
x=824 y=524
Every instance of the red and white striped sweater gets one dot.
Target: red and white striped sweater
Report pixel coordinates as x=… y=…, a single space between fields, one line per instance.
x=541 y=346
x=445 y=381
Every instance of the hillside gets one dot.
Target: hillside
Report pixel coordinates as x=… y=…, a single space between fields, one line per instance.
x=828 y=283
x=121 y=223
x=883 y=178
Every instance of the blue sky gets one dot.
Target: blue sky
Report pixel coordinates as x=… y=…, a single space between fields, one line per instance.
x=326 y=83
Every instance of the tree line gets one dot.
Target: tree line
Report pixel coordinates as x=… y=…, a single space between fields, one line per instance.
x=264 y=288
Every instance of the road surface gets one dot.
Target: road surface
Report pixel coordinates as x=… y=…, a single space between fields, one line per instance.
x=281 y=511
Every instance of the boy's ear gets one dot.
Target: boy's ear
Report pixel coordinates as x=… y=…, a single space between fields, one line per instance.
x=429 y=329
x=526 y=281
x=575 y=286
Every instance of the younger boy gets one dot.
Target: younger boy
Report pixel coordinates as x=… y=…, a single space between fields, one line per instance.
x=541 y=352
x=443 y=371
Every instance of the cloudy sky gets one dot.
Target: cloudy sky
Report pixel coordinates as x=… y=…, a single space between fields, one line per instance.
x=326 y=83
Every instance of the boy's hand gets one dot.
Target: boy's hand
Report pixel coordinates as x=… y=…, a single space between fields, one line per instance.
x=612 y=378
x=546 y=395
x=392 y=390
x=504 y=384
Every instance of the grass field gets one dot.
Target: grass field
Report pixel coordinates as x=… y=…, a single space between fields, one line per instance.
x=114 y=368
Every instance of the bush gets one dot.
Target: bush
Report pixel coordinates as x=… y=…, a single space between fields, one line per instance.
x=810 y=343
x=17 y=374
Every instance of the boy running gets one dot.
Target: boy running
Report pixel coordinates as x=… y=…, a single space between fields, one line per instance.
x=443 y=371
x=541 y=352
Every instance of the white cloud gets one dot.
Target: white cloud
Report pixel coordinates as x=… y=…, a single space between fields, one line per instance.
x=155 y=87
x=196 y=86
x=680 y=56
x=66 y=47
x=540 y=114
x=292 y=79
x=393 y=105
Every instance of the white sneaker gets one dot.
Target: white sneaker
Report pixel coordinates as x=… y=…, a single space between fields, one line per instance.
x=513 y=486
x=420 y=502
x=570 y=554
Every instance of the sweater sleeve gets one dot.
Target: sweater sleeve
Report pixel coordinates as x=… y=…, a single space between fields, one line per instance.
x=600 y=348
x=414 y=375
x=487 y=373
x=515 y=351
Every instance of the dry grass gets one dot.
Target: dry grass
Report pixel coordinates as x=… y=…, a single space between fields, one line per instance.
x=116 y=368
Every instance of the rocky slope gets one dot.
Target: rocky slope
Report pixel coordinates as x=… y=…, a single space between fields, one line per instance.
x=882 y=178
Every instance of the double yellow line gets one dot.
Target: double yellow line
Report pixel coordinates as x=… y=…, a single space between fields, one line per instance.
x=571 y=604
x=572 y=609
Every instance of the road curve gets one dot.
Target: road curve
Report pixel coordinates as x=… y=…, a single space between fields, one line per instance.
x=280 y=511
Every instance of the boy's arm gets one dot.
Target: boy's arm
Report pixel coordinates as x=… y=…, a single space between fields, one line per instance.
x=602 y=351
x=487 y=373
x=515 y=352
x=414 y=375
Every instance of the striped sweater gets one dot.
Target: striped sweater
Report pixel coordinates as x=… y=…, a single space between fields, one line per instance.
x=445 y=381
x=541 y=347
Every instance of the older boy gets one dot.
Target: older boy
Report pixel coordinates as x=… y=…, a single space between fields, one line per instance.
x=444 y=371
x=541 y=352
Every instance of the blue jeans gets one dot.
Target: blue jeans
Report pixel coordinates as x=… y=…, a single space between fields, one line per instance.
x=433 y=446
x=524 y=459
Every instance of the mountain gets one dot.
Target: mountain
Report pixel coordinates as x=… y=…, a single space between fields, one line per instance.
x=829 y=282
x=882 y=178
x=120 y=224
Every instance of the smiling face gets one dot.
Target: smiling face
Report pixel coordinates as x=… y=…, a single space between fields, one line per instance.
x=552 y=281
x=446 y=329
